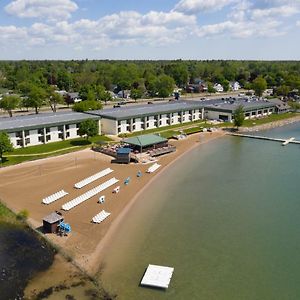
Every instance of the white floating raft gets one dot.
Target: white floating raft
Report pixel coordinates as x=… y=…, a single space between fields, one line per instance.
x=157 y=276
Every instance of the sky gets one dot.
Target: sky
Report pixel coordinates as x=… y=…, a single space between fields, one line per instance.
x=150 y=29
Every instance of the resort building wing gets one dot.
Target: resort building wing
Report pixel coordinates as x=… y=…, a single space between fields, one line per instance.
x=225 y=110
x=149 y=116
x=42 y=128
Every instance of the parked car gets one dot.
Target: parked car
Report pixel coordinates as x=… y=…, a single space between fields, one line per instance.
x=116 y=105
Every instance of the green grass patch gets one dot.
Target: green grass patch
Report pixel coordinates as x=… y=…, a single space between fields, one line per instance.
x=49 y=150
x=271 y=118
x=57 y=146
x=164 y=129
x=6 y=215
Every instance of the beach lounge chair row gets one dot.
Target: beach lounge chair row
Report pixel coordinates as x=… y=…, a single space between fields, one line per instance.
x=153 y=168
x=92 y=178
x=54 y=197
x=89 y=194
x=101 y=216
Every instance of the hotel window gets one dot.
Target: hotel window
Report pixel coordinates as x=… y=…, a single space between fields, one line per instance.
x=48 y=138
x=41 y=139
x=20 y=143
x=60 y=136
x=47 y=130
x=19 y=134
x=265 y=111
x=68 y=127
x=253 y=113
x=27 y=133
x=41 y=131
x=60 y=128
x=68 y=134
x=27 y=141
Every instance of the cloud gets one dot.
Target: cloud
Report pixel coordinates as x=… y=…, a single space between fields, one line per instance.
x=50 y=9
x=280 y=11
x=198 y=6
x=241 y=30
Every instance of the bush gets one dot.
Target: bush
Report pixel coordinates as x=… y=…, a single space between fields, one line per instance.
x=23 y=215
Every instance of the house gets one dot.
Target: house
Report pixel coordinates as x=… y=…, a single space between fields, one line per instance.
x=72 y=98
x=125 y=94
x=218 y=88
x=198 y=86
x=235 y=86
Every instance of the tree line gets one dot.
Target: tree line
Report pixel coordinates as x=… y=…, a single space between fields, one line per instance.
x=35 y=81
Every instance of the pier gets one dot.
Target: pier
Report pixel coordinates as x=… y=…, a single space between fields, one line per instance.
x=284 y=142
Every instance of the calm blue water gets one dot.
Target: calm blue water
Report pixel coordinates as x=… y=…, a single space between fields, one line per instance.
x=226 y=217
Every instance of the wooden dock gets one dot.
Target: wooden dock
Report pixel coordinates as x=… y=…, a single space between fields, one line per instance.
x=284 y=142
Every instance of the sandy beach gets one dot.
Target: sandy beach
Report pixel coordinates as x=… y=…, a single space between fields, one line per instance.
x=25 y=185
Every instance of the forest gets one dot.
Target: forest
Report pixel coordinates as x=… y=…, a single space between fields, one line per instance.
x=36 y=81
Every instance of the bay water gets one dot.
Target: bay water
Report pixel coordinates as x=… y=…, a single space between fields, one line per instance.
x=225 y=216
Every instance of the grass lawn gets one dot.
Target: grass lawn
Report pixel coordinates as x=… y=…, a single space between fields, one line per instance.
x=6 y=215
x=51 y=149
x=166 y=128
x=271 y=118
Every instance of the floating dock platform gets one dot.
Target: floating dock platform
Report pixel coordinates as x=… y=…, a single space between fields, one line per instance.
x=157 y=276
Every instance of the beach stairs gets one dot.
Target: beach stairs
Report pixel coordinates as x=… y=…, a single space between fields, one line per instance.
x=100 y=217
x=54 y=197
x=153 y=168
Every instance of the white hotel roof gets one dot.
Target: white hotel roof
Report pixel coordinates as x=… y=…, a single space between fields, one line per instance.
x=42 y=119
x=125 y=112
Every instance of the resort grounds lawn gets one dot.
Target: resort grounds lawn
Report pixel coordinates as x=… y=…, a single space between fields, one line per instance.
x=271 y=118
x=51 y=149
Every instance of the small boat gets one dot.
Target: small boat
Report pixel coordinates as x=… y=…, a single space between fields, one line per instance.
x=101 y=199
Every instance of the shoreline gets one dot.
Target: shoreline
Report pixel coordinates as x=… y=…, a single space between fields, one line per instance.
x=97 y=256
x=270 y=125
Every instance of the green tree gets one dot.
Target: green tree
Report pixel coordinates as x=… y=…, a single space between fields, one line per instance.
x=8 y=103
x=36 y=98
x=5 y=144
x=283 y=90
x=136 y=94
x=239 y=116
x=87 y=105
x=165 y=86
x=88 y=128
x=54 y=99
x=210 y=88
x=259 y=85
